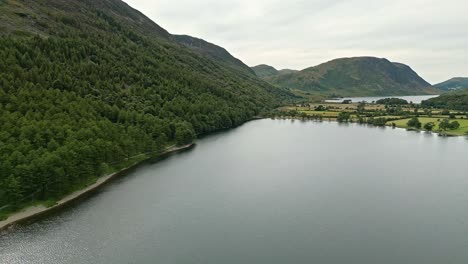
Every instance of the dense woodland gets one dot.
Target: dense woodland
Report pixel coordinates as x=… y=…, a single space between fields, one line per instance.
x=75 y=101
x=454 y=100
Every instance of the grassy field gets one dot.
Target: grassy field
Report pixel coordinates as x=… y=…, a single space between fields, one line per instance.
x=463 y=130
x=322 y=113
x=332 y=110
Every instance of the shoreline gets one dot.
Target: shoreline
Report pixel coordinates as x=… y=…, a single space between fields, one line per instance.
x=435 y=132
x=32 y=212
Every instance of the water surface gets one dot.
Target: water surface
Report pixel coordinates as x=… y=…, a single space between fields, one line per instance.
x=272 y=191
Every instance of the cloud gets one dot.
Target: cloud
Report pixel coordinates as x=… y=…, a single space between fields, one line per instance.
x=429 y=35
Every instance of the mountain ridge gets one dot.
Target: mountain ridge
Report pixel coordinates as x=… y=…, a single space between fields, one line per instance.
x=355 y=76
x=213 y=51
x=453 y=84
x=266 y=71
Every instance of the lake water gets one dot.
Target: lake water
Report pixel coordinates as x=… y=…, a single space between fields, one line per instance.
x=417 y=99
x=272 y=191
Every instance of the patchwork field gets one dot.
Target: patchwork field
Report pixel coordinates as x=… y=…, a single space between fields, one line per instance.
x=371 y=112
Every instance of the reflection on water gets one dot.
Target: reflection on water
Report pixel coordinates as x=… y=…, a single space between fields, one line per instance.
x=272 y=191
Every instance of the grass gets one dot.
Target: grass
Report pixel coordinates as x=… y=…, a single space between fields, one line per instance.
x=322 y=113
x=463 y=130
x=333 y=110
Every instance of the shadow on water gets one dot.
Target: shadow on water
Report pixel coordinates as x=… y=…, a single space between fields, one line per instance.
x=344 y=124
x=69 y=206
x=225 y=130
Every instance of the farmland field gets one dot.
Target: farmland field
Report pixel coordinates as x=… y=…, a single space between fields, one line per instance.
x=463 y=130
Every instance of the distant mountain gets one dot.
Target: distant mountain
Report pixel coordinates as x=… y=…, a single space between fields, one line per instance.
x=457 y=100
x=266 y=71
x=453 y=84
x=213 y=51
x=360 y=76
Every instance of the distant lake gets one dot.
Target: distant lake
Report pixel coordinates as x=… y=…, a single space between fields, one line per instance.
x=272 y=192
x=417 y=99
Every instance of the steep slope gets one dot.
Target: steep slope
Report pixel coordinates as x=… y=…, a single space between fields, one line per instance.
x=214 y=52
x=457 y=100
x=44 y=17
x=360 y=76
x=453 y=84
x=85 y=84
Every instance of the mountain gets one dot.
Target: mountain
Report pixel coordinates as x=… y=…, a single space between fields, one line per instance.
x=456 y=100
x=87 y=84
x=214 y=52
x=453 y=84
x=359 y=76
x=265 y=71
x=47 y=17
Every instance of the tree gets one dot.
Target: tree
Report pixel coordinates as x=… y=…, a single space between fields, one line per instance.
x=429 y=126
x=445 y=124
x=445 y=112
x=392 y=101
x=320 y=108
x=361 y=108
x=12 y=191
x=414 y=122
x=184 y=134
x=343 y=117
x=454 y=125
x=428 y=112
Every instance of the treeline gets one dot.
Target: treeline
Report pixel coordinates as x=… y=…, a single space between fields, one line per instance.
x=453 y=101
x=392 y=101
x=75 y=102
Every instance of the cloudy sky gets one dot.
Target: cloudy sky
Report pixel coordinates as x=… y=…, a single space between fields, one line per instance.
x=429 y=35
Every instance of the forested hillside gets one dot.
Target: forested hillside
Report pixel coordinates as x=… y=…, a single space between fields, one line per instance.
x=457 y=100
x=85 y=84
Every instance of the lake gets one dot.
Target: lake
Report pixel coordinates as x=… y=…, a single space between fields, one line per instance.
x=417 y=99
x=272 y=191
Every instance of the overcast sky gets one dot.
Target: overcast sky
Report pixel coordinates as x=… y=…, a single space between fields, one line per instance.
x=431 y=36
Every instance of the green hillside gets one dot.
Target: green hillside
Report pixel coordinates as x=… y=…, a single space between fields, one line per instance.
x=360 y=76
x=86 y=84
x=453 y=84
x=214 y=52
x=457 y=100
x=265 y=71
